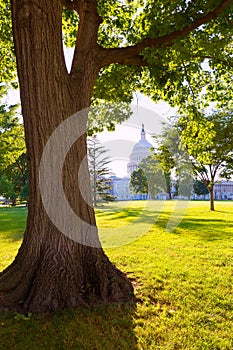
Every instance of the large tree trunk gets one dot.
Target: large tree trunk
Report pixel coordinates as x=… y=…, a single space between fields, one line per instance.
x=52 y=271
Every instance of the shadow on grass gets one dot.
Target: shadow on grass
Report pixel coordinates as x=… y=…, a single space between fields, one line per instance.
x=12 y=236
x=207 y=229
x=103 y=327
x=120 y=214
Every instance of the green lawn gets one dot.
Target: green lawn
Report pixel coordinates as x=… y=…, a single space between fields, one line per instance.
x=183 y=283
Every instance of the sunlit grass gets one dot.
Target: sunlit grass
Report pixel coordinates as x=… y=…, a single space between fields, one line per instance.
x=12 y=223
x=183 y=283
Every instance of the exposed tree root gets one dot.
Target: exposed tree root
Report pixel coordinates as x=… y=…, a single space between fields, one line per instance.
x=72 y=276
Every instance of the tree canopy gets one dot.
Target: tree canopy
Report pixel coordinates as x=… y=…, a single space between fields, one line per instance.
x=160 y=48
x=173 y=50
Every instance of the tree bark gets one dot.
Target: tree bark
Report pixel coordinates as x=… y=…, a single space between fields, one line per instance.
x=52 y=271
x=211 y=192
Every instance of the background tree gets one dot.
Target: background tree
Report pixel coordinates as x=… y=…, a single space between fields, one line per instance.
x=200 y=188
x=212 y=156
x=13 y=162
x=167 y=164
x=119 y=47
x=99 y=172
x=138 y=181
x=8 y=76
x=24 y=192
x=7 y=189
x=149 y=177
x=12 y=142
x=174 y=161
x=17 y=175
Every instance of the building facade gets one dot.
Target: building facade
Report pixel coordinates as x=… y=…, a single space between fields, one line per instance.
x=223 y=190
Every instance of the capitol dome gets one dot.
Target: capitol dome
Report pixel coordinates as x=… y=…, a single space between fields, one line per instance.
x=140 y=151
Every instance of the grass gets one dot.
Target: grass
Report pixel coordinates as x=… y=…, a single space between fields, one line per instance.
x=12 y=223
x=183 y=283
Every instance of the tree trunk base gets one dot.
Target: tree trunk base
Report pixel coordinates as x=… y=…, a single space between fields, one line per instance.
x=74 y=276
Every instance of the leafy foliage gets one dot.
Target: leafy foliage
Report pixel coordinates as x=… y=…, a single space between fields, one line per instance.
x=182 y=73
x=7 y=188
x=174 y=161
x=12 y=143
x=186 y=72
x=200 y=188
x=105 y=115
x=167 y=164
x=70 y=21
x=138 y=181
x=7 y=57
x=178 y=73
x=17 y=175
x=212 y=160
x=149 y=177
x=13 y=160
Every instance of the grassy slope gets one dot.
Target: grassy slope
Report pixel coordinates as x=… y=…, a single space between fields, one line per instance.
x=183 y=282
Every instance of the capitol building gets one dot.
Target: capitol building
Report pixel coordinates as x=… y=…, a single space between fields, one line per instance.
x=140 y=151
x=121 y=186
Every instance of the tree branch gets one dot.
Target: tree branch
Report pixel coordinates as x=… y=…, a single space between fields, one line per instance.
x=188 y=80
x=89 y=21
x=229 y=20
x=203 y=177
x=131 y=54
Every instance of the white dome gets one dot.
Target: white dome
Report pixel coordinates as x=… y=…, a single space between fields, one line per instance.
x=140 y=151
x=142 y=146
